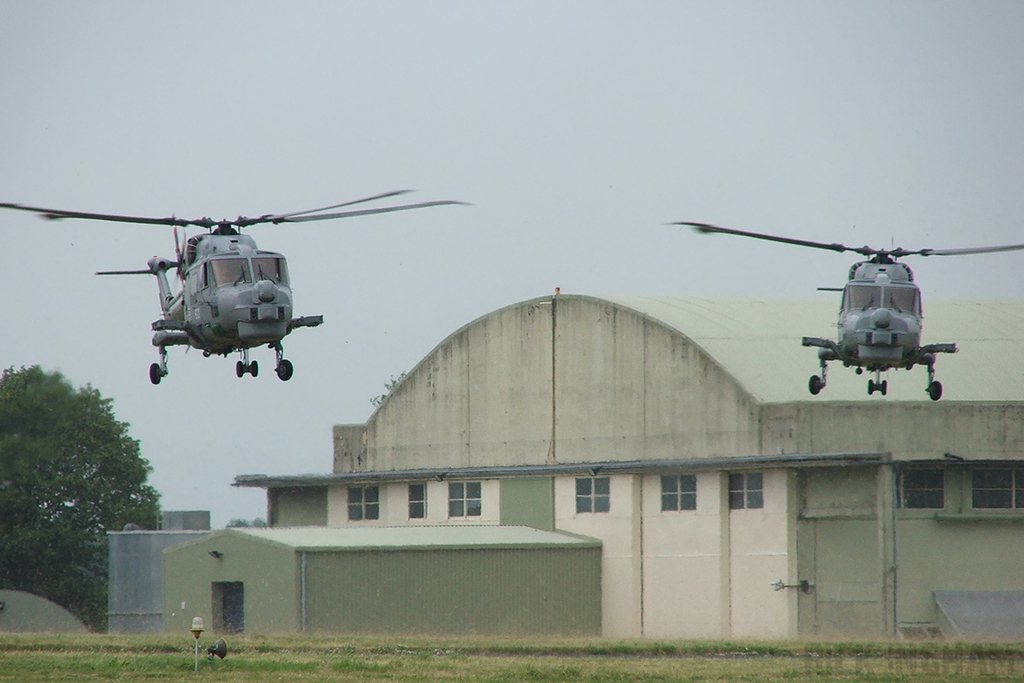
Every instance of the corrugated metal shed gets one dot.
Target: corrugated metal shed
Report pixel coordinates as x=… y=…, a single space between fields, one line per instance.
x=757 y=341
x=455 y=580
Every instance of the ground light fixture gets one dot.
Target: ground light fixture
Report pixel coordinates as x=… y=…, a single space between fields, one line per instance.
x=197 y=630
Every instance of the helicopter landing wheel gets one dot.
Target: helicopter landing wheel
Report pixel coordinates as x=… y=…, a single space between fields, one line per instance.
x=935 y=390
x=815 y=385
x=156 y=373
x=240 y=369
x=254 y=368
x=285 y=370
x=881 y=387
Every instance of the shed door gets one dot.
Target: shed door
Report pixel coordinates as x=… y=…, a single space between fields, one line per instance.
x=228 y=607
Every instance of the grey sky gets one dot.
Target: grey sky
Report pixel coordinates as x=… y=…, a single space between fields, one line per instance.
x=577 y=129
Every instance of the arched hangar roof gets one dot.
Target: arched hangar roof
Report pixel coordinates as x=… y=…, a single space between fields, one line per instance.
x=757 y=341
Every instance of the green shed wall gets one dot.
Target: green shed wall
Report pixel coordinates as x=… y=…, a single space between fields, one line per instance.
x=500 y=591
x=268 y=572
x=528 y=502
x=298 y=506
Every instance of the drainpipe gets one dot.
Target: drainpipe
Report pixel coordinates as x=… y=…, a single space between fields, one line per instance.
x=303 y=581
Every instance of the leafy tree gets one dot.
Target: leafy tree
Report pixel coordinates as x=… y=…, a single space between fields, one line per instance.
x=69 y=472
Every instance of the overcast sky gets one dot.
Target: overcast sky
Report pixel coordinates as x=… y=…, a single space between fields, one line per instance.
x=576 y=129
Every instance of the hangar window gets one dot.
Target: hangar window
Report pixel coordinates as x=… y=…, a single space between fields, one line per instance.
x=593 y=494
x=746 y=490
x=417 y=501
x=922 y=489
x=997 y=488
x=678 y=492
x=464 y=499
x=363 y=503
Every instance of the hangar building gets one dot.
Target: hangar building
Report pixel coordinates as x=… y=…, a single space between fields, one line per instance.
x=728 y=501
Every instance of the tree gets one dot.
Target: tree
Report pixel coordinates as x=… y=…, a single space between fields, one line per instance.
x=69 y=472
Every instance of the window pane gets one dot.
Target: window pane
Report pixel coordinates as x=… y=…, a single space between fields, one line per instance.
x=372 y=511
x=755 y=499
x=688 y=483
x=473 y=489
x=582 y=503
x=417 y=510
x=355 y=495
x=601 y=503
x=355 y=512
x=736 y=500
x=669 y=484
x=669 y=501
x=583 y=487
x=754 y=481
x=922 y=479
x=456 y=490
x=688 y=501
x=992 y=498
x=992 y=479
x=473 y=507
x=456 y=508
x=735 y=482
x=602 y=486
x=372 y=494
x=417 y=492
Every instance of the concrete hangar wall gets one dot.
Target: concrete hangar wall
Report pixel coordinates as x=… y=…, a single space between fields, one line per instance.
x=679 y=432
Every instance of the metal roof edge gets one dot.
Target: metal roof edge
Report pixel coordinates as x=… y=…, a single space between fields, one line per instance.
x=591 y=468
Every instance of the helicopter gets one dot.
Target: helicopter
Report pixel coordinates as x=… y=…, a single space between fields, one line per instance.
x=234 y=296
x=880 y=317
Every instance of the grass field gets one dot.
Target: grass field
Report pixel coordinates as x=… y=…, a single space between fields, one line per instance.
x=290 y=658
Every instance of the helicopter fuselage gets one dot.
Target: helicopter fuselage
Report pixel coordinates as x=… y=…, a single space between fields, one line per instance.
x=880 y=317
x=234 y=296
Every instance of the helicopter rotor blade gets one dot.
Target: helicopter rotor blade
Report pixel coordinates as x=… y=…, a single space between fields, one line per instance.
x=125 y=272
x=367 y=212
x=968 y=250
x=707 y=228
x=383 y=195
x=59 y=214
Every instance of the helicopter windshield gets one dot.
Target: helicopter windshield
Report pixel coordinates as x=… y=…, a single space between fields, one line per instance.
x=862 y=297
x=271 y=268
x=230 y=271
x=902 y=299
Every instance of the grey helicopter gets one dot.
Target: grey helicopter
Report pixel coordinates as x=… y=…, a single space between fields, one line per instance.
x=880 y=317
x=234 y=296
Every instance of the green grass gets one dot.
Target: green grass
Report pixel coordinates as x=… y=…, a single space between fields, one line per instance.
x=459 y=660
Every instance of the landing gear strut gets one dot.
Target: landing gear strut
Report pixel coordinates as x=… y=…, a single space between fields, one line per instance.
x=284 y=367
x=815 y=384
x=157 y=371
x=244 y=366
x=878 y=384
x=934 y=386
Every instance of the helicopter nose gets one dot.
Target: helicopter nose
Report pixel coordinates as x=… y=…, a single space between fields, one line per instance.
x=266 y=291
x=881 y=318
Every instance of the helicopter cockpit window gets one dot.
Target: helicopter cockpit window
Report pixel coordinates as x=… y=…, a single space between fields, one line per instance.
x=863 y=297
x=271 y=268
x=230 y=271
x=903 y=299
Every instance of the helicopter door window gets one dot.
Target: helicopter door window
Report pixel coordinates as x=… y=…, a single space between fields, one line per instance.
x=863 y=297
x=270 y=268
x=230 y=271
